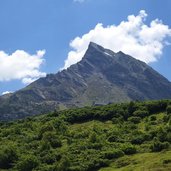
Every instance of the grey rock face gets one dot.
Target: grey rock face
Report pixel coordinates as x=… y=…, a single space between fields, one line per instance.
x=101 y=77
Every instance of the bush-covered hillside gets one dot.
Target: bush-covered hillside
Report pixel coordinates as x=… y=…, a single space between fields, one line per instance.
x=112 y=137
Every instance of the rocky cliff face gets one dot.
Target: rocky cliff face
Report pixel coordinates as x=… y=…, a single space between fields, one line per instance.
x=101 y=77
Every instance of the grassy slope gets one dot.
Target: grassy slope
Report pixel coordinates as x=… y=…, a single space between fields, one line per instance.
x=160 y=161
x=81 y=139
x=145 y=161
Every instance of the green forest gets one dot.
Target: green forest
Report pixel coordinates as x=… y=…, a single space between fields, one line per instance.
x=125 y=136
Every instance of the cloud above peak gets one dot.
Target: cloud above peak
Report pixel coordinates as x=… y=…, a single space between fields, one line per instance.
x=80 y=1
x=134 y=37
x=20 y=65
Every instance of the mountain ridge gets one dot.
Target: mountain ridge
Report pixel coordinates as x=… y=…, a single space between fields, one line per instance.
x=101 y=77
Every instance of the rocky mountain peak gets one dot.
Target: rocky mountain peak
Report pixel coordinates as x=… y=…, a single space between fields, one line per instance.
x=101 y=77
x=93 y=47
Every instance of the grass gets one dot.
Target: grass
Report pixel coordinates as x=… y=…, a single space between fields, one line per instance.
x=142 y=162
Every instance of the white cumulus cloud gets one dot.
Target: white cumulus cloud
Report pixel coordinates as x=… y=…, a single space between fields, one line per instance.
x=21 y=65
x=6 y=92
x=134 y=37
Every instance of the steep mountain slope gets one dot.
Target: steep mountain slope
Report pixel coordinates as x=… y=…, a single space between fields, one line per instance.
x=101 y=77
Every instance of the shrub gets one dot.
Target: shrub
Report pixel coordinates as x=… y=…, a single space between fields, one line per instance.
x=131 y=126
x=166 y=118
x=50 y=157
x=166 y=161
x=131 y=107
x=129 y=149
x=44 y=146
x=153 y=122
x=134 y=119
x=122 y=162
x=138 y=140
x=52 y=138
x=113 y=154
x=117 y=120
x=169 y=137
x=45 y=128
x=162 y=134
x=168 y=109
x=156 y=106
x=95 y=164
x=8 y=156
x=93 y=138
x=153 y=133
x=28 y=163
x=63 y=165
x=153 y=118
x=113 y=138
x=141 y=113
x=60 y=125
x=159 y=146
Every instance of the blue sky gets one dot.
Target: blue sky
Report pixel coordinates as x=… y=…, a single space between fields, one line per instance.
x=37 y=34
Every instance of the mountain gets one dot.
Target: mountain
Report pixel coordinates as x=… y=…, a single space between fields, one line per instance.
x=101 y=77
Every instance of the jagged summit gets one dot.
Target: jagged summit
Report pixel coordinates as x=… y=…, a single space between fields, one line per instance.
x=95 y=47
x=98 y=56
x=101 y=53
x=101 y=77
